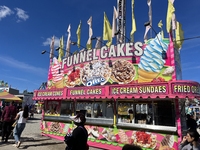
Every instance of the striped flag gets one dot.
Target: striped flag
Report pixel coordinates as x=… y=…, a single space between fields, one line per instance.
x=115 y=16
x=89 y=42
x=52 y=47
x=68 y=46
x=170 y=13
x=150 y=20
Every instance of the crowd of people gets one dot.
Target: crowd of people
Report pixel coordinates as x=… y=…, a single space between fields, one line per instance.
x=13 y=118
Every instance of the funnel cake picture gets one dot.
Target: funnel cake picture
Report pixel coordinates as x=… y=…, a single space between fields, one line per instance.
x=95 y=70
x=123 y=137
x=144 y=139
x=152 y=62
x=167 y=143
x=73 y=78
x=57 y=74
x=55 y=127
x=123 y=72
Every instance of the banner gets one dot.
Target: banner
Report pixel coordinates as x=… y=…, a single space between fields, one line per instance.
x=124 y=63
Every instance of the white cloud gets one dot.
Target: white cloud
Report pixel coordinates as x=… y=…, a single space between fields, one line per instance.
x=23 y=66
x=5 y=11
x=21 y=14
x=48 y=42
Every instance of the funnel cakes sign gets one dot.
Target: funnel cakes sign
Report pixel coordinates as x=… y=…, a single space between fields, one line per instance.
x=125 y=63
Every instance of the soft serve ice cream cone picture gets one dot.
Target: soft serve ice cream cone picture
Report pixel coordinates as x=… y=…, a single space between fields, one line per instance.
x=152 y=62
x=57 y=74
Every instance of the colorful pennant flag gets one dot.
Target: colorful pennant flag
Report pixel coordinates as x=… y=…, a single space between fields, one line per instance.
x=170 y=13
x=150 y=20
x=61 y=54
x=133 y=22
x=160 y=25
x=179 y=35
x=115 y=16
x=78 y=32
x=68 y=46
x=89 y=42
x=52 y=47
x=107 y=31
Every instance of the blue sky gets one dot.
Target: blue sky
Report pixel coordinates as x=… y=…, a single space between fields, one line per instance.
x=26 y=29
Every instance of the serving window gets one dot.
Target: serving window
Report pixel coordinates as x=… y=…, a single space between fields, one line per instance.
x=96 y=109
x=52 y=107
x=66 y=108
x=150 y=112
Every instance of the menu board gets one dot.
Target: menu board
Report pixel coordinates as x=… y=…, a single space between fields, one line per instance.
x=124 y=63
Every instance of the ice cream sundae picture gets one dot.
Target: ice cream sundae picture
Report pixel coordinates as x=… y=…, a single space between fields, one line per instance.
x=57 y=74
x=152 y=61
x=167 y=143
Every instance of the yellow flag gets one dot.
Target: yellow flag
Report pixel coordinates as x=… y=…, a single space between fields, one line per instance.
x=170 y=12
x=179 y=35
x=133 y=22
x=107 y=31
x=75 y=52
x=61 y=53
x=78 y=32
x=160 y=25
x=89 y=46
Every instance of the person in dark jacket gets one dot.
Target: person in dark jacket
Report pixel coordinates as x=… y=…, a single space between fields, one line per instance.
x=8 y=118
x=190 y=142
x=79 y=134
x=191 y=123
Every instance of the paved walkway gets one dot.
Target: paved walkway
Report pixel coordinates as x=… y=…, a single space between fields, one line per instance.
x=32 y=140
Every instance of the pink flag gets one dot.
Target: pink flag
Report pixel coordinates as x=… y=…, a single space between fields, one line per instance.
x=150 y=20
x=52 y=47
x=68 y=41
x=115 y=16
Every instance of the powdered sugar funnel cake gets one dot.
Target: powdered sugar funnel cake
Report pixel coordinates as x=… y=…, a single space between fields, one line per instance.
x=97 y=70
x=57 y=74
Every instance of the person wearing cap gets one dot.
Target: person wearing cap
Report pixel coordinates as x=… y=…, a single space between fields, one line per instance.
x=79 y=134
x=8 y=118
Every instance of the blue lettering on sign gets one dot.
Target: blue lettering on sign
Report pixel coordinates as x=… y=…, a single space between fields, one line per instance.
x=95 y=81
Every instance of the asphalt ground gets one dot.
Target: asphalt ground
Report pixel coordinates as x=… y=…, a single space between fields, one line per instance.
x=32 y=140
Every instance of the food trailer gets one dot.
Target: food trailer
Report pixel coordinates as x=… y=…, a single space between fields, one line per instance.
x=129 y=93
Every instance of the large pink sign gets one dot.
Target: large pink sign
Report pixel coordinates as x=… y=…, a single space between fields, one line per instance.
x=124 y=63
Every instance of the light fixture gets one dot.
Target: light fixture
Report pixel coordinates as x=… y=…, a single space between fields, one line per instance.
x=110 y=64
x=95 y=38
x=63 y=49
x=119 y=32
x=74 y=69
x=91 y=66
x=75 y=43
x=47 y=52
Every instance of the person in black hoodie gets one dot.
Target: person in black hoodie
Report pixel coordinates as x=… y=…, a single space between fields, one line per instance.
x=79 y=137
